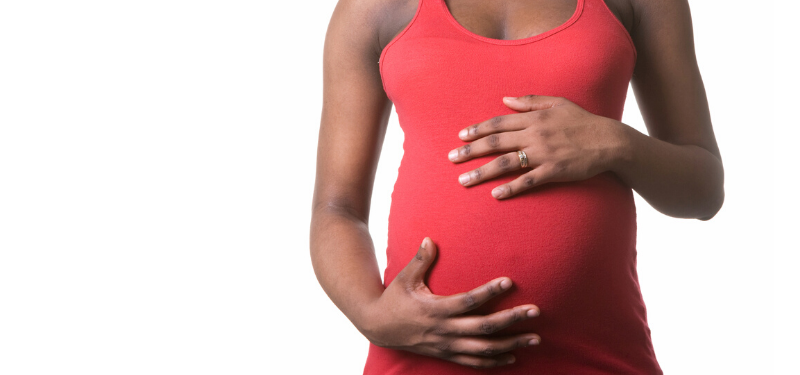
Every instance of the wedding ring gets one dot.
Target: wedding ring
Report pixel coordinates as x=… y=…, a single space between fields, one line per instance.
x=523 y=159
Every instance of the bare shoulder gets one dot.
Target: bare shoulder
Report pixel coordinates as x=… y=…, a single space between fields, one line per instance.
x=623 y=9
x=663 y=28
x=643 y=7
x=395 y=16
x=370 y=24
x=659 y=13
x=638 y=14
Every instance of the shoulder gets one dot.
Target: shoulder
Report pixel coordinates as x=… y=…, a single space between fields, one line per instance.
x=394 y=16
x=376 y=21
x=658 y=13
x=623 y=9
x=638 y=14
x=649 y=6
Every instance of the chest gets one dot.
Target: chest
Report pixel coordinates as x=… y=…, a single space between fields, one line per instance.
x=509 y=20
x=519 y=19
x=444 y=64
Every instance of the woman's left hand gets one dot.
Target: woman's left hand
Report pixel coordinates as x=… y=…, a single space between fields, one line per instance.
x=562 y=141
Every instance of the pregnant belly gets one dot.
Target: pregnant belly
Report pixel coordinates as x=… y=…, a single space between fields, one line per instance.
x=569 y=247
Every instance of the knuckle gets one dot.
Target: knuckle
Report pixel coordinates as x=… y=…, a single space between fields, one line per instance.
x=489 y=350
x=491 y=290
x=504 y=162
x=527 y=181
x=444 y=345
x=473 y=130
x=439 y=331
x=487 y=327
x=493 y=140
x=543 y=132
x=464 y=151
x=477 y=174
x=469 y=300
x=496 y=122
x=515 y=316
x=544 y=114
x=419 y=253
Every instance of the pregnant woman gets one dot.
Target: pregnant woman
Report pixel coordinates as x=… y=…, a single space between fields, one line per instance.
x=512 y=229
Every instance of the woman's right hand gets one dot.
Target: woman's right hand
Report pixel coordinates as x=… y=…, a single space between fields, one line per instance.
x=409 y=317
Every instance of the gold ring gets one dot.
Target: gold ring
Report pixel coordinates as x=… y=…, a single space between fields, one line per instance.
x=523 y=159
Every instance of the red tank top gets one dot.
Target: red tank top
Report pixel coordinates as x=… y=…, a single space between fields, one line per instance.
x=569 y=247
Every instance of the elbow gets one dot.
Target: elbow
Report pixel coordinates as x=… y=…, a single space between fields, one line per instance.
x=716 y=207
x=717 y=198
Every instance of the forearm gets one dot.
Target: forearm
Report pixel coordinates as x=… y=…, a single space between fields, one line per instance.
x=683 y=181
x=343 y=258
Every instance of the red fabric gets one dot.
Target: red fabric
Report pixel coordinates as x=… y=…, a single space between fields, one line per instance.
x=569 y=247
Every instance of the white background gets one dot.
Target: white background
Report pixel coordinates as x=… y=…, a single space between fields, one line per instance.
x=157 y=165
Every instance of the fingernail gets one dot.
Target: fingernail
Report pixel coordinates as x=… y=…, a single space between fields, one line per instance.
x=464 y=178
x=462 y=133
x=453 y=154
x=505 y=284
x=509 y=98
x=533 y=313
x=533 y=342
x=497 y=192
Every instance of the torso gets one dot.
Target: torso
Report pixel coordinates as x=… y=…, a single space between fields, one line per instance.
x=569 y=247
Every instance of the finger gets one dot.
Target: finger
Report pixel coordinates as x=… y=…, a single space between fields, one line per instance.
x=492 y=347
x=491 y=143
x=496 y=124
x=479 y=362
x=463 y=302
x=484 y=325
x=413 y=274
x=533 y=102
x=538 y=176
x=502 y=164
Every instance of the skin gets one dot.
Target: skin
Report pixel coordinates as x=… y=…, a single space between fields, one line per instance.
x=676 y=168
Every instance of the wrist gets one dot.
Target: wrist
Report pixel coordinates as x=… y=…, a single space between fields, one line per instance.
x=620 y=150
x=371 y=323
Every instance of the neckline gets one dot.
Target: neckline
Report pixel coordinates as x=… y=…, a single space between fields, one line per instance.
x=567 y=23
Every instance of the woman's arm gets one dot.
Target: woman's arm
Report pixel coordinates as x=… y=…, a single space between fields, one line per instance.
x=404 y=315
x=678 y=167
x=355 y=113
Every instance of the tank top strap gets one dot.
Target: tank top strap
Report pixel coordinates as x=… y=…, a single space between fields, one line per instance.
x=601 y=16
x=430 y=11
x=427 y=17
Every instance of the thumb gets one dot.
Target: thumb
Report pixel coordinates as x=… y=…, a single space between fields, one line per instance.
x=531 y=102
x=414 y=271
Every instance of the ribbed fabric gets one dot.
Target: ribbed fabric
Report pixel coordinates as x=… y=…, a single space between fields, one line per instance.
x=569 y=247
